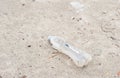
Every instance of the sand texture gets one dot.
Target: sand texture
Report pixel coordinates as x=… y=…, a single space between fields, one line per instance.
x=25 y=25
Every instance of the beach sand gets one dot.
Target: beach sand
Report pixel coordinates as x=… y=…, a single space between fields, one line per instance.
x=26 y=24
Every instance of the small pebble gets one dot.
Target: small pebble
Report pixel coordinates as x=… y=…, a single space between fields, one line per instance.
x=80 y=18
x=29 y=45
x=23 y=4
x=23 y=39
x=99 y=64
x=52 y=67
x=104 y=12
x=40 y=46
x=73 y=18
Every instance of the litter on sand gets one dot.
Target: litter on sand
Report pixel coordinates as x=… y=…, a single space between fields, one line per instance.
x=79 y=57
x=77 y=5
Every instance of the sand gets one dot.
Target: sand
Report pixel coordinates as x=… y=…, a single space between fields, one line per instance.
x=26 y=24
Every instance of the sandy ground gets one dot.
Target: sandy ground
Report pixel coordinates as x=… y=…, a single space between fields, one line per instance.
x=26 y=24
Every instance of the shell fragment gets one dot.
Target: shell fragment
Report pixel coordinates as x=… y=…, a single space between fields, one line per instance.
x=79 y=57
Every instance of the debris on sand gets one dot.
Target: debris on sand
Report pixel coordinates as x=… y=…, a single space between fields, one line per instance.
x=79 y=57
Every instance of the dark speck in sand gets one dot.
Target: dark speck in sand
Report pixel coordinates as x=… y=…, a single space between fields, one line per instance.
x=29 y=45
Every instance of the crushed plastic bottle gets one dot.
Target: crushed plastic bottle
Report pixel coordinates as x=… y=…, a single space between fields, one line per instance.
x=79 y=57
